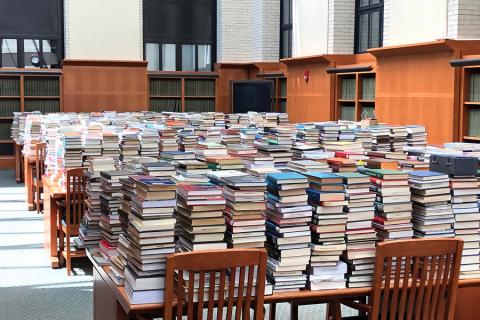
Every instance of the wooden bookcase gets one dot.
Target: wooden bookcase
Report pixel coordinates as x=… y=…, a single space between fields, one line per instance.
x=355 y=95
x=181 y=92
x=25 y=90
x=470 y=106
x=279 y=81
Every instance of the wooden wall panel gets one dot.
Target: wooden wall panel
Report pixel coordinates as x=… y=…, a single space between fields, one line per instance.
x=225 y=75
x=418 y=89
x=310 y=100
x=105 y=85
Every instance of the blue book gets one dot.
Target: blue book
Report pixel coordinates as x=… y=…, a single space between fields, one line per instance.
x=286 y=177
x=427 y=175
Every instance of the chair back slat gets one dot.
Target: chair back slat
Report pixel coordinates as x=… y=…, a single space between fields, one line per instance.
x=75 y=196
x=40 y=154
x=416 y=279
x=234 y=278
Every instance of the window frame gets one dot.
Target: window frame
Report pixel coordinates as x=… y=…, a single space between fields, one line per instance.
x=286 y=27
x=368 y=10
x=178 y=55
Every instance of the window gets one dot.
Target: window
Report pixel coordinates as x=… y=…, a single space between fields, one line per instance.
x=285 y=28
x=31 y=40
x=368 y=24
x=179 y=35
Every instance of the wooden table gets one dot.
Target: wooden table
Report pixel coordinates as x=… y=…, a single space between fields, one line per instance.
x=111 y=301
x=52 y=194
x=29 y=164
x=19 y=168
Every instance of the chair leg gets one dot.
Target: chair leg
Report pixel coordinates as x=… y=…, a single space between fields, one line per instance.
x=37 y=198
x=61 y=243
x=334 y=311
x=293 y=311
x=273 y=311
x=69 y=259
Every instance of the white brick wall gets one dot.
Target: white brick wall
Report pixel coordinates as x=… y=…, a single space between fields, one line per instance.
x=266 y=30
x=341 y=26
x=234 y=31
x=463 y=19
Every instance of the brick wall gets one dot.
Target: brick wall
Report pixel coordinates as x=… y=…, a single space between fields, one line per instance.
x=463 y=19
x=341 y=26
x=266 y=30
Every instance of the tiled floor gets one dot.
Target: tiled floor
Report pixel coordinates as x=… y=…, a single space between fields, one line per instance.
x=30 y=289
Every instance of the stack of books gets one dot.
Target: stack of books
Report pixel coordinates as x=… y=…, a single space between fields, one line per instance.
x=398 y=138
x=204 y=150
x=327 y=198
x=187 y=140
x=342 y=164
x=247 y=136
x=393 y=213
x=129 y=145
x=364 y=136
x=72 y=148
x=149 y=140
x=244 y=213
x=281 y=136
x=160 y=168
x=241 y=151
x=200 y=216
x=192 y=167
x=417 y=136
x=380 y=138
x=110 y=198
x=432 y=213
x=175 y=156
x=329 y=131
x=92 y=141
x=230 y=136
x=303 y=166
x=281 y=154
x=224 y=163
x=167 y=140
x=288 y=239
x=301 y=150
x=308 y=134
x=110 y=144
x=360 y=235
x=151 y=237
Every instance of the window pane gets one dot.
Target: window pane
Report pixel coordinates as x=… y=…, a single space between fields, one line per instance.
x=32 y=51
x=286 y=44
x=364 y=3
x=169 y=61
x=188 y=57
x=363 y=33
x=204 y=55
x=375 y=32
x=287 y=11
x=9 y=53
x=152 y=54
x=374 y=1
x=50 y=53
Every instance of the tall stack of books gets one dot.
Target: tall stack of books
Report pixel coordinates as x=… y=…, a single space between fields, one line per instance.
x=230 y=136
x=393 y=213
x=151 y=237
x=360 y=235
x=464 y=191
x=398 y=138
x=149 y=142
x=308 y=134
x=167 y=140
x=432 y=213
x=380 y=138
x=247 y=136
x=281 y=136
x=92 y=141
x=288 y=239
x=244 y=213
x=72 y=148
x=364 y=136
x=327 y=198
x=200 y=215
x=110 y=198
x=329 y=131
x=110 y=144
x=129 y=145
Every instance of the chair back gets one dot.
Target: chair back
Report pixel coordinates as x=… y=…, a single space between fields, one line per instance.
x=216 y=279
x=75 y=196
x=416 y=279
x=40 y=155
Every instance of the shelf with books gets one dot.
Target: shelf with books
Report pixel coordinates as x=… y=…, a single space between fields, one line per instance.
x=470 y=108
x=355 y=95
x=172 y=104
x=41 y=86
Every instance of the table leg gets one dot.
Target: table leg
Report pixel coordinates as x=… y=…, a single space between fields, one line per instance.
x=53 y=232
x=28 y=184
x=293 y=311
x=18 y=164
x=273 y=311
x=334 y=311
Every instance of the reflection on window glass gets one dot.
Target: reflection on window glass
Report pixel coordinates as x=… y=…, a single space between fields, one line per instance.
x=169 y=62
x=9 y=53
x=50 y=53
x=286 y=42
x=363 y=3
x=31 y=49
x=188 y=57
x=363 y=33
x=287 y=11
x=204 y=63
x=152 y=55
x=375 y=32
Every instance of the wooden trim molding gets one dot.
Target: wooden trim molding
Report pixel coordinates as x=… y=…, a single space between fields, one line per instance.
x=104 y=63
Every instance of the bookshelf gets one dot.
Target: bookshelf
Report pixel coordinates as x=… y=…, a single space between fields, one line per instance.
x=180 y=92
x=470 y=108
x=25 y=90
x=355 y=95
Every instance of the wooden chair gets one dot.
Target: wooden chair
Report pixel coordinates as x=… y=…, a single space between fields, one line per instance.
x=38 y=171
x=214 y=269
x=69 y=222
x=414 y=279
